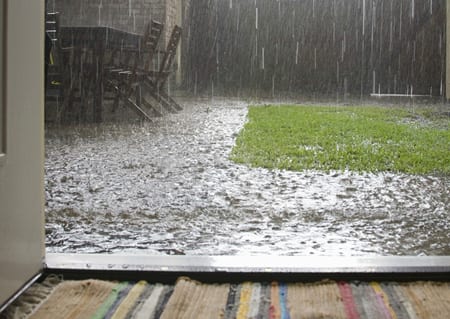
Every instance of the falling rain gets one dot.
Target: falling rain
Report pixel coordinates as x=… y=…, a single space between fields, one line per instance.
x=168 y=187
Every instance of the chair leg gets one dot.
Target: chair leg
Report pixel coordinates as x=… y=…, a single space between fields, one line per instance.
x=163 y=102
x=116 y=100
x=160 y=98
x=142 y=101
x=170 y=101
x=133 y=105
x=152 y=107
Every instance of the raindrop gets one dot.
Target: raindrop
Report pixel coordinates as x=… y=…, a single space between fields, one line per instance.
x=315 y=58
x=372 y=29
x=364 y=17
x=100 y=6
x=345 y=88
x=337 y=72
x=390 y=38
x=294 y=25
x=395 y=84
x=334 y=32
x=314 y=8
x=238 y=16
x=195 y=83
x=217 y=54
x=400 y=20
x=276 y=53
x=440 y=45
x=273 y=85
x=262 y=59
x=373 y=81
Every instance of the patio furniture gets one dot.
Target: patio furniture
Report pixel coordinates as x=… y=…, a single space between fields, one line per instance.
x=58 y=87
x=155 y=81
x=84 y=76
x=98 y=62
x=134 y=79
x=123 y=74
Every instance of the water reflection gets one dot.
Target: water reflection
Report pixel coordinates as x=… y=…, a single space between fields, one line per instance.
x=169 y=188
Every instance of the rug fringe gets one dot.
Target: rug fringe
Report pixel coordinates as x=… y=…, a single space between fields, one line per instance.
x=32 y=298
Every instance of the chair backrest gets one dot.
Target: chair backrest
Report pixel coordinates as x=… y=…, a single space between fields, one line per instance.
x=53 y=29
x=151 y=38
x=169 y=55
x=52 y=26
x=53 y=70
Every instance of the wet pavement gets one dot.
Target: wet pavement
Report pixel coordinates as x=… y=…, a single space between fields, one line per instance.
x=168 y=187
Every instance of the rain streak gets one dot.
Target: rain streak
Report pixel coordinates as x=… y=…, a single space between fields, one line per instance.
x=167 y=186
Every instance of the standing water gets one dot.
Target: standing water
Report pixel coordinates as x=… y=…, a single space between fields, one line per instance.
x=169 y=188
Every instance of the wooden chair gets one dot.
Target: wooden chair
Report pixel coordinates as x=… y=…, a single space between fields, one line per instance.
x=54 y=73
x=124 y=71
x=156 y=80
x=62 y=83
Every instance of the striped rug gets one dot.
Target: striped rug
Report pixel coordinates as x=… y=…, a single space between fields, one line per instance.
x=192 y=299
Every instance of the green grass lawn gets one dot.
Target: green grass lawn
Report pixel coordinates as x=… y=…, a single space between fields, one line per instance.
x=362 y=139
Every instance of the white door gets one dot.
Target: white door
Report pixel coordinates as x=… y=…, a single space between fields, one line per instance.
x=21 y=143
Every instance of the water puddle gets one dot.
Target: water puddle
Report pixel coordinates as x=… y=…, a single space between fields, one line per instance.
x=168 y=188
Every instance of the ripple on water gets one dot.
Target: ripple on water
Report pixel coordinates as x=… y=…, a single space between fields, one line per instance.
x=169 y=188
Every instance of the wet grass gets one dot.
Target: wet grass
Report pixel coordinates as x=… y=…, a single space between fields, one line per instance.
x=362 y=139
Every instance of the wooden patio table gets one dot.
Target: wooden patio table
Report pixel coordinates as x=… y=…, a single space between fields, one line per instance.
x=90 y=45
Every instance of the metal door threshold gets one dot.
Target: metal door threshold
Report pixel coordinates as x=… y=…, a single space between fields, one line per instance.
x=238 y=268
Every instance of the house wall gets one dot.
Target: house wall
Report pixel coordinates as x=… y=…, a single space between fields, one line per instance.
x=131 y=15
x=21 y=168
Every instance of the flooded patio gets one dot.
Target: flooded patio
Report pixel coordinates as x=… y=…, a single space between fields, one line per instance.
x=168 y=187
